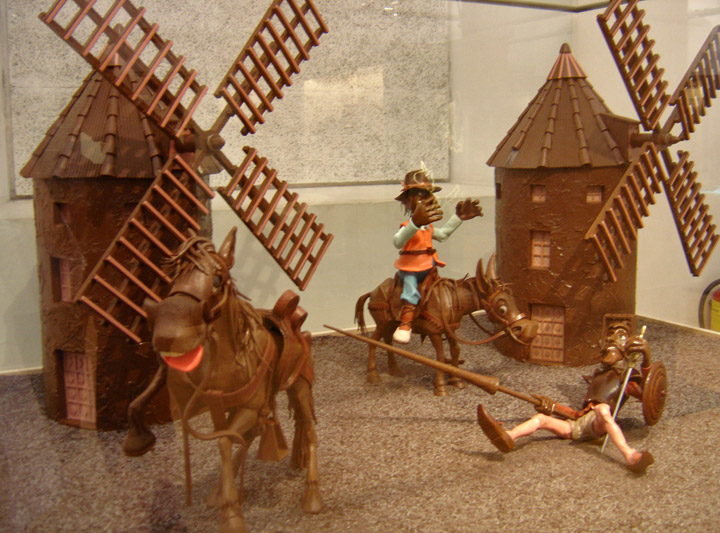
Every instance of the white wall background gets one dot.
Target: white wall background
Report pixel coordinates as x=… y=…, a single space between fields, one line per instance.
x=498 y=58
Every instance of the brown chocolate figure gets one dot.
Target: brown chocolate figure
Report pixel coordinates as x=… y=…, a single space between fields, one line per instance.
x=414 y=240
x=221 y=355
x=609 y=386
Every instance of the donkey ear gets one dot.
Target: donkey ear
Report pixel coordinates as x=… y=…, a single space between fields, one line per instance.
x=227 y=249
x=491 y=273
x=480 y=277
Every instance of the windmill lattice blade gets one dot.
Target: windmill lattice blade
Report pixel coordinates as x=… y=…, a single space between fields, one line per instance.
x=698 y=87
x=131 y=270
x=283 y=226
x=694 y=223
x=162 y=88
x=282 y=40
x=627 y=36
x=615 y=228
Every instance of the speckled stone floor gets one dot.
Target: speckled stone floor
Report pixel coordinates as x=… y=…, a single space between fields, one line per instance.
x=393 y=457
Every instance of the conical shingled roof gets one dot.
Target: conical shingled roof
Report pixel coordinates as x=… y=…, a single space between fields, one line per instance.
x=98 y=134
x=565 y=126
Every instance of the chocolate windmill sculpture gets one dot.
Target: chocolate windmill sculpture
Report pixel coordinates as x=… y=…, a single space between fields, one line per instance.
x=627 y=36
x=156 y=81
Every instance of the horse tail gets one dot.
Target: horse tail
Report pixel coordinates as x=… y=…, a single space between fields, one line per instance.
x=360 y=312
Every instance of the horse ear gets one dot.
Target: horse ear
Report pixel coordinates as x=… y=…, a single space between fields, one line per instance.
x=227 y=249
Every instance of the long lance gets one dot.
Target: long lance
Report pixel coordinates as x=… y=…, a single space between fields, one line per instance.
x=631 y=366
x=489 y=384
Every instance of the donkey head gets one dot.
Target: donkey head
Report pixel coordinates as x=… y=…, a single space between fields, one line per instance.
x=499 y=303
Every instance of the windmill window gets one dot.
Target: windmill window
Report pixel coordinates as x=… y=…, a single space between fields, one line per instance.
x=498 y=191
x=538 y=194
x=594 y=194
x=540 y=249
x=61 y=279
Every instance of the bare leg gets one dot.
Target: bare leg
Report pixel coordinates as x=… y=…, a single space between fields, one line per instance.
x=559 y=427
x=604 y=423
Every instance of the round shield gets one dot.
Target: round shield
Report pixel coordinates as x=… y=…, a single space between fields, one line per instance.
x=654 y=393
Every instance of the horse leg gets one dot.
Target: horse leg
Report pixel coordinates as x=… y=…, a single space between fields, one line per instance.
x=440 y=389
x=139 y=438
x=373 y=376
x=393 y=368
x=455 y=354
x=214 y=499
x=231 y=498
x=304 y=451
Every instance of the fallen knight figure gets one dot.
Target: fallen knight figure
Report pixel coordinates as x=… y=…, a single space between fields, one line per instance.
x=609 y=387
x=414 y=240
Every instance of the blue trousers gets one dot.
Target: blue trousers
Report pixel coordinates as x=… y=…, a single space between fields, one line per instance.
x=411 y=281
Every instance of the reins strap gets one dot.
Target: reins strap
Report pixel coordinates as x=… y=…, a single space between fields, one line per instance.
x=225 y=400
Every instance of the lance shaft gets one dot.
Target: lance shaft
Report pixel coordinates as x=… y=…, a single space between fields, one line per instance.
x=489 y=384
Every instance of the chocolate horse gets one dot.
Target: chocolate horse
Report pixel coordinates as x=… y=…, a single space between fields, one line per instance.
x=224 y=356
x=444 y=304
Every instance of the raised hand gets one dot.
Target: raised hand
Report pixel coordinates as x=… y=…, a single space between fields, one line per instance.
x=426 y=212
x=467 y=209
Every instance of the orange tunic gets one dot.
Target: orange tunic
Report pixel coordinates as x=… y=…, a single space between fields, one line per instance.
x=421 y=241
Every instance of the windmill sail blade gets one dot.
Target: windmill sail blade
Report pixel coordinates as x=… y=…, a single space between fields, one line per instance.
x=162 y=88
x=131 y=268
x=694 y=223
x=698 y=87
x=282 y=40
x=274 y=215
x=616 y=226
x=627 y=36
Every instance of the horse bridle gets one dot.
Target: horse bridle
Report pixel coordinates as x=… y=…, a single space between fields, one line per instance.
x=488 y=305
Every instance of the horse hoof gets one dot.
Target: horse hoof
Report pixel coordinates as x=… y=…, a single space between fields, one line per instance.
x=232 y=520
x=311 y=501
x=396 y=372
x=138 y=443
x=373 y=377
x=440 y=391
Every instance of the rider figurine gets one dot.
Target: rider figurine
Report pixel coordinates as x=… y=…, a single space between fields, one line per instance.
x=596 y=418
x=414 y=240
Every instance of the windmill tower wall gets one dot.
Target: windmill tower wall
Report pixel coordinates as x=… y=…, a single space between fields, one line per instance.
x=541 y=216
x=555 y=171
x=90 y=370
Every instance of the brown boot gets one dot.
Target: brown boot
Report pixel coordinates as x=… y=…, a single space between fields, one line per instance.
x=494 y=431
x=402 y=333
x=642 y=464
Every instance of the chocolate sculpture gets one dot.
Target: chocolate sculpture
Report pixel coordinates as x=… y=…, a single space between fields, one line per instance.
x=224 y=356
x=573 y=182
x=609 y=387
x=444 y=304
x=141 y=71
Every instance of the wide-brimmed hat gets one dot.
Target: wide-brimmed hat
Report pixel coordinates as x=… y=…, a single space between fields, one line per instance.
x=416 y=179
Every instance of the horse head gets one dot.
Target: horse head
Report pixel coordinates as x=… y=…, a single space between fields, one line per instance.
x=499 y=303
x=201 y=286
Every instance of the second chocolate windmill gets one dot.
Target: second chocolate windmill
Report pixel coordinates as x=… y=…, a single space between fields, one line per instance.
x=128 y=51
x=574 y=181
